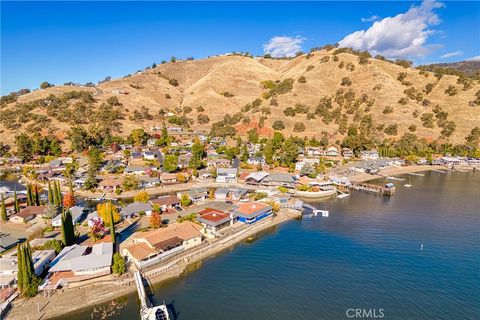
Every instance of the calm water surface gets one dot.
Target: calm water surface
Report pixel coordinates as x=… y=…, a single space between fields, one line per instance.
x=365 y=255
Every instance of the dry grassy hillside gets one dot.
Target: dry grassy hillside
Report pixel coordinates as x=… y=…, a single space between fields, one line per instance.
x=217 y=86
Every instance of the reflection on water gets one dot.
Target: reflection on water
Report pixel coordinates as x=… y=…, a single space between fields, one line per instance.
x=366 y=254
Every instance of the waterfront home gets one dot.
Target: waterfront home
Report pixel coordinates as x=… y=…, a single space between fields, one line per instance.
x=251 y=212
x=195 y=195
x=150 y=247
x=332 y=151
x=255 y=178
x=110 y=184
x=78 y=263
x=135 y=209
x=168 y=178
x=225 y=175
x=451 y=161
x=341 y=181
x=148 y=182
x=369 y=155
x=281 y=198
x=77 y=213
x=221 y=194
x=28 y=213
x=135 y=170
x=166 y=202
x=347 y=153
x=9 y=266
x=473 y=162
x=256 y=161
x=7 y=242
x=214 y=220
x=279 y=179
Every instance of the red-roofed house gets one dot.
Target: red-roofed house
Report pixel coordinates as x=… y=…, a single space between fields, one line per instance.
x=214 y=220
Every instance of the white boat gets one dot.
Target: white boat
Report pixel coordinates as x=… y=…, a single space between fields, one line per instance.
x=407 y=185
x=395 y=178
x=324 y=213
x=156 y=313
x=342 y=195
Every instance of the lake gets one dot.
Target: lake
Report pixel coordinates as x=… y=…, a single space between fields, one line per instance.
x=366 y=255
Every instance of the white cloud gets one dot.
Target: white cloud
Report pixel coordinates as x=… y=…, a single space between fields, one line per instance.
x=475 y=58
x=404 y=35
x=283 y=46
x=371 y=18
x=452 y=54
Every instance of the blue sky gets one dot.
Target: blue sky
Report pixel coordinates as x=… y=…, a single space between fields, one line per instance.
x=86 y=41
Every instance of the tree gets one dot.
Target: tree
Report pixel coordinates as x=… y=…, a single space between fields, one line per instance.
x=130 y=182
x=302 y=79
x=138 y=137
x=3 y=210
x=16 y=206
x=185 y=200
x=203 y=119
x=155 y=220
x=473 y=138
x=299 y=127
x=79 y=138
x=118 y=266
x=112 y=227
x=113 y=101
x=198 y=152
x=142 y=196
x=106 y=210
x=346 y=82
x=68 y=231
x=278 y=125
x=45 y=85
x=27 y=279
x=308 y=170
x=24 y=147
x=50 y=193
x=170 y=164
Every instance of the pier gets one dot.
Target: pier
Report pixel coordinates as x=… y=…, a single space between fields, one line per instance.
x=386 y=190
x=146 y=312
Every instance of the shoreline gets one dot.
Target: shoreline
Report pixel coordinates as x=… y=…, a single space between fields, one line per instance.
x=395 y=171
x=99 y=293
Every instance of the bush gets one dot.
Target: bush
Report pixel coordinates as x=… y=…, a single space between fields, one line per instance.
x=451 y=90
x=310 y=68
x=429 y=87
x=391 y=129
x=227 y=94
x=173 y=82
x=118 y=266
x=113 y=101
x=278 y=125
x=346 y=82
x=289 y=112
x=281 y=87
x=200 y=109
x=427 y=120
x=203 y=119
x=412 y=128
x=302 y=79
x=167 y=96
x=388 y=110
x=45 y=85
x=187 y=110
x=299 y=127
x=403 y=101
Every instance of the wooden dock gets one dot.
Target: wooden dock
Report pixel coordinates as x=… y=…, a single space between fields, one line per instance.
x=374 y=188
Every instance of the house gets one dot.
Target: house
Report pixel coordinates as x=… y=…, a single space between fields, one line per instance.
x=451 y=161
x=148 y=182
x=347 y=153
x=28 y=213
x=237 y=194
x=77 y=213
x=135 y=170
x=93 y=218
x=9 y=266
x=315 y=152
x=256 y=161
x=369 y=155
x=251 y=212
x=150 y=247
x=77 y=263
x=221 y=193
x=110 y=185
x=168 y=178
x=214 y=220
x=166 y=202
x=150 y=155
x=226 y=175
x=218 y=163
x=255 y=178
x=136 y=209
x=152 y=141
x=279 y=179
x=7 y=242
x=332 y=151
x=281 y=198
x=195 y=195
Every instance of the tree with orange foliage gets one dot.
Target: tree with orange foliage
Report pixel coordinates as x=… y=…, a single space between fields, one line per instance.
x=155 y=220
x=69 y=199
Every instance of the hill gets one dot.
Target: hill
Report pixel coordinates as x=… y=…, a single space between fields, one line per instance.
x=320 y=94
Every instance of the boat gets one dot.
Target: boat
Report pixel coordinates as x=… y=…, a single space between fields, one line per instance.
x=407 y=185
x=416 y=174
x=395 y=178
x=149 y=313
x=342 y=195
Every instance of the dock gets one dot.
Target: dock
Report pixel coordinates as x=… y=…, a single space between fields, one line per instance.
x=386 y=190
x=149 y=313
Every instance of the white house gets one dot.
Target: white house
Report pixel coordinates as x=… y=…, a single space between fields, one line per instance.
x=77 y=214
x=226 y=175
x=369 y=155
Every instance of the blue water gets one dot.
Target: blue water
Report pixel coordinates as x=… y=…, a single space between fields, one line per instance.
x=365 y=255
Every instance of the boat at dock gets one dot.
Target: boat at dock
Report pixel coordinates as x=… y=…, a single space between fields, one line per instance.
x=416 y=174
x=395 y=178
x=149 y=313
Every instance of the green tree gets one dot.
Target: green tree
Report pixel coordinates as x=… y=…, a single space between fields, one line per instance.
x=170 y=164
x=16 y=206
x=68 y=232
x=198 y=152
x=27 y=280
x=185 y=200
x=79 y=139
x=252 y=135
x=45 y=85
x=138 y=137
x=112 y=228
x=3 y=210
x=118 y=266
x=24 y=147
x=50 y=193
